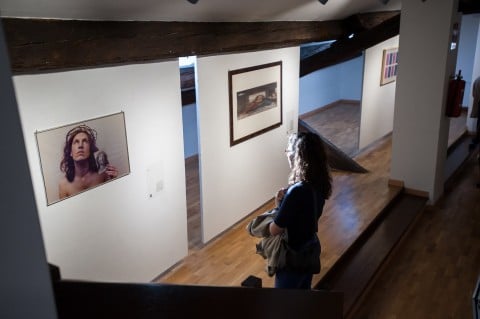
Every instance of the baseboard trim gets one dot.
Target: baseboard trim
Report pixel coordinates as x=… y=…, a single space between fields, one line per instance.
x=417 y=192
x=408 y=190
x=396 y=183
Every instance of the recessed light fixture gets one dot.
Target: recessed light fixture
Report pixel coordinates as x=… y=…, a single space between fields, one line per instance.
x=192 y=1
x=323 y=1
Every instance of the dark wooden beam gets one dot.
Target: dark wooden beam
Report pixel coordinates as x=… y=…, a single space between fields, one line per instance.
x=367 y=21
x=469 y=6
x=346 y=49
x=41 y=45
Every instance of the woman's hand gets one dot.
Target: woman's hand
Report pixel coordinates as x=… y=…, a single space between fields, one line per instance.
x=274 y=229
x=279 y=196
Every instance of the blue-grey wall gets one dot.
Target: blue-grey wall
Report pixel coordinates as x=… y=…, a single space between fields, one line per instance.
x=325 y=86
x=466 y=51
x=190 y=135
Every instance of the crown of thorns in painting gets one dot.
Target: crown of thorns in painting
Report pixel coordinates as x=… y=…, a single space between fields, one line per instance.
x=82 y=129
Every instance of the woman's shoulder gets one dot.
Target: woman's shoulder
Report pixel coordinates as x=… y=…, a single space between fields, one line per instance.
x=299 y=187
x=302 y=188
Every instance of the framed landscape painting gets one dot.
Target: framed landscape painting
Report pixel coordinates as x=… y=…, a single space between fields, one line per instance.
x=255 y=95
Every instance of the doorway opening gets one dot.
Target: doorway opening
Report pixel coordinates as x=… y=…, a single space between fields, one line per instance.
x=191 y=151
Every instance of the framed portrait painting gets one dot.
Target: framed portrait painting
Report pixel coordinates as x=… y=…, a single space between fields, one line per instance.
x=389 y=66
x=255 y=100
x=80 y=156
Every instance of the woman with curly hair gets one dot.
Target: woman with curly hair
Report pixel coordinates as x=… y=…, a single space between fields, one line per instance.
x=300 y=206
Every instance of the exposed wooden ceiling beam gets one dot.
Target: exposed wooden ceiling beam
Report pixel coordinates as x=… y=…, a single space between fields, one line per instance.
x=37 y=45
x=41 y=45
x=345 y=49
x=366 y=21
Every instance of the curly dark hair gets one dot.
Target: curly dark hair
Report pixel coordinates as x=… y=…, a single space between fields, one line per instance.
x=310 y=162
x=67 y=164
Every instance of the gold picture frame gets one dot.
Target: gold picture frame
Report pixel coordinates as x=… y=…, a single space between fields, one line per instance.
x=389 y=66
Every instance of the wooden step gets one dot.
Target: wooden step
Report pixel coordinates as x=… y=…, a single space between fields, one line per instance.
x=355 y=271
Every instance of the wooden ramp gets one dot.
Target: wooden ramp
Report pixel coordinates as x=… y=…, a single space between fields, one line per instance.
x=337 y=159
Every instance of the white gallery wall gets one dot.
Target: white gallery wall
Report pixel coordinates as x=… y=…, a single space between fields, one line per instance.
x=190 y=131
x=420 y=135
x=116 y=231
x=378 y=101
x=236 y=180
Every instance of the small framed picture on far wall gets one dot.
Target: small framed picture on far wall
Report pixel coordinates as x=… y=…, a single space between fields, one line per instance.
x=389 y=66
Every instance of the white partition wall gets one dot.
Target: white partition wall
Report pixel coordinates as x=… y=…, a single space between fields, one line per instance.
x=114 y=232
x=378 y=101
x=420 y=134
x=236 y=180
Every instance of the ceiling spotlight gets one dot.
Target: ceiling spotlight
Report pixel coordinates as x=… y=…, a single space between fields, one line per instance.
x=192 y=1
x=384 y=1
x=323 y=1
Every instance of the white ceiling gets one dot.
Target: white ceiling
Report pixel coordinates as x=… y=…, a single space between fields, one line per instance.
x=203 y=11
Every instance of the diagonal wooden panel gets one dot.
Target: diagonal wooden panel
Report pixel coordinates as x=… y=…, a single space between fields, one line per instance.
x=337 y=159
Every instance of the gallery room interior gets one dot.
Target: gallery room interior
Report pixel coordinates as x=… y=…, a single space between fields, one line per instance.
x=190 y=175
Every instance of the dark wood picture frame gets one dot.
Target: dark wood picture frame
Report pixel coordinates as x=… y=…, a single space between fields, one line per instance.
x=255 y=98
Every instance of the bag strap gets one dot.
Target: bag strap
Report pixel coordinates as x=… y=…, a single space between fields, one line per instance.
x=315 y=208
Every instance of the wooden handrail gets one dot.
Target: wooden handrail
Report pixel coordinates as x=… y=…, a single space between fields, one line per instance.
x=81 y=299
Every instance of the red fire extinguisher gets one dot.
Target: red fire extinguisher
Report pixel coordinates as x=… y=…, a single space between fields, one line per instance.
x=456 y=88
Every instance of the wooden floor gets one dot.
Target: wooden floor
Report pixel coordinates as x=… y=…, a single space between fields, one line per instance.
x=433 y=273
x=227 y=260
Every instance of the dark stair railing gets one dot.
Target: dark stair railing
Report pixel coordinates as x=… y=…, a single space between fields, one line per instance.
x=85 y=299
